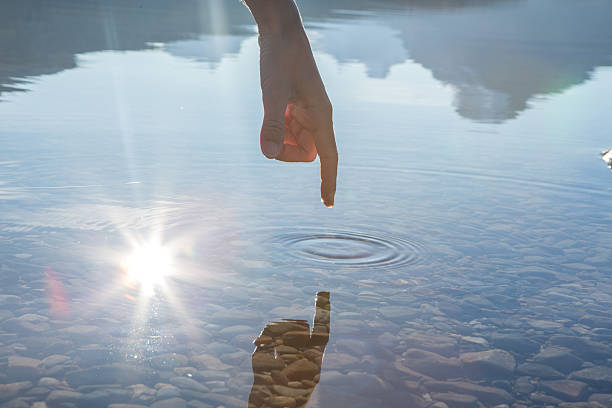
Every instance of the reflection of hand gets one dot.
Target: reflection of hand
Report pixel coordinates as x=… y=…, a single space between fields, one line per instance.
x=288 y=357
x=297 y=121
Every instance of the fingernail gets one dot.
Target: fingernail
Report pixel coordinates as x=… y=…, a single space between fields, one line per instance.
x=270 y=149
x=327 y=203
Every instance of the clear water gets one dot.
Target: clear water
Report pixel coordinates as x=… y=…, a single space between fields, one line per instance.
x=472 y=213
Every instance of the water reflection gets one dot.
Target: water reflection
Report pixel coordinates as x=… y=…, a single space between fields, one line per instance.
x=496 y=55
x=464 y=253
x=607 y=158
x=287 y=360
x=41 y=38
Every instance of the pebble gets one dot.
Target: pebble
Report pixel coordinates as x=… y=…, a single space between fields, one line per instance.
x=92 y=354
x=54 y=360
x=224 y=400
x=583 y=347
x=398 y=313
x=431 y=364
x=23 y=368
x=266 y=362
x=17 y=403
x=567 y=390
x=168 y=391
x=237 y=358
x=198 y=404
x=59 y=397
x=289 y=391
x=539 y=371
x=9 y=300
x=540 y=397
x=11 y=390
x=353 y=346
x=559 y=358
x=125 y=406
x=232 y=331
x=211 y=375
x=597 y=376
x=49 y=382
x=544 y=325
x=516 y=342
x=116 y=373
x=603 y=399
x=83 y=332
x=488 y=364
x=170 y=403
x=488 y=395
x=208 y=362
x=522 y=385
x=188 y=383
x=28 y=323
x=597 y=321
x=454 y=400
x=296 y=338
x=369 y=383
x=281 y=402
x=168 y=361
x=336 y=361
x=301 y=369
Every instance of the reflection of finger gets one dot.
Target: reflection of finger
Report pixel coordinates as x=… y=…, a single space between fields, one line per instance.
x=266 y=361
x=320 y=330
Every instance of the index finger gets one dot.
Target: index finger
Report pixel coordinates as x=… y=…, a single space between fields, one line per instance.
x=325 y=141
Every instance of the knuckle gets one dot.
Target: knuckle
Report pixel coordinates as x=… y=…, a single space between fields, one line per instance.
x=311 y=156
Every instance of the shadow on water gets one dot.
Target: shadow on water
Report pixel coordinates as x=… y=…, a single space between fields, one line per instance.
x=496 y=55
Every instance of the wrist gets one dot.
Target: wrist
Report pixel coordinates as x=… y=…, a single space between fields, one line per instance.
x=275 y=16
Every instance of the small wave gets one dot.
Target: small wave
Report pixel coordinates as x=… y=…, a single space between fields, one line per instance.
x=351 y=249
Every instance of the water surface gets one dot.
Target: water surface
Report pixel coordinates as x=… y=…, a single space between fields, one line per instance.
x=472 y=213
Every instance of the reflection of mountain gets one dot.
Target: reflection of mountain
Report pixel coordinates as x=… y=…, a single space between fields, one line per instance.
x=40 y=37
x=208 y=47
x=496 y=54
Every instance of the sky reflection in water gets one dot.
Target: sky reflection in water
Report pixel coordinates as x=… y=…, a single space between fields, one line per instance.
x=472 y=212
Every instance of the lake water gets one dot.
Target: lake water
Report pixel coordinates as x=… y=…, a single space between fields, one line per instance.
x=146 y=242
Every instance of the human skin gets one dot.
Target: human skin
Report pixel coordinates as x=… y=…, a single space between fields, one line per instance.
x=297 y=124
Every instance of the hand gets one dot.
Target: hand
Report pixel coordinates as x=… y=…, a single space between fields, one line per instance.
x=297 y=122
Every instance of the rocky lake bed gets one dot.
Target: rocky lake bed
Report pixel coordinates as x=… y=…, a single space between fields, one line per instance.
x=424 y=342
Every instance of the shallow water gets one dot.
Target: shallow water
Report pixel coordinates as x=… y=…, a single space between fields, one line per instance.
x=472 y=213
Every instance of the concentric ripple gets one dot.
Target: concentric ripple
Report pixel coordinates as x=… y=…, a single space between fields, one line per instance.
x=350 y=249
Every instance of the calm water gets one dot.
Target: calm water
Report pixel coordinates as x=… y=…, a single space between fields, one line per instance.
x=467 y=262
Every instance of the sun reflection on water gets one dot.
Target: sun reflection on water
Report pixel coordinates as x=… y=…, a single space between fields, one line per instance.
x=147 y=267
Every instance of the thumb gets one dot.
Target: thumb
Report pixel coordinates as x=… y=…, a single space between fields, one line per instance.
x=273 y=127
x=275 y=93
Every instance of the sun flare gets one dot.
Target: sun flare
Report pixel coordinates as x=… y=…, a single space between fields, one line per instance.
x=147 y=267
